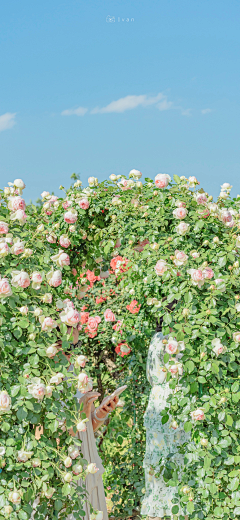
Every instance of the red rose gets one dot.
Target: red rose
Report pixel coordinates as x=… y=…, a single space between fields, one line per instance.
x=84 y=317
x=133 y=308
x=123 y=349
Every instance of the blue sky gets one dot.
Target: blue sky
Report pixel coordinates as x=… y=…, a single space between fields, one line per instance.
x=82 y=94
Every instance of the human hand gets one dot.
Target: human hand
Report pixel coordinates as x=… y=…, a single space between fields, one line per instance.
x=106 y=406
x=87 y=400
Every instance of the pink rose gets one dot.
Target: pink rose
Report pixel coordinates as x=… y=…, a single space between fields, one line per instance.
x=83 y=203
x=51 y=239
x=20 y=279
x=180 y=213
x=17 y=203
x=109 y=315
x=162 y=180
x=4 y=249
x=3 y=228
x=66 y=204
x=5 y=289
x=172 y=346
x=17 y=248
x=47 y=323
x=225 y=216
x=180 y=258
x=160 y=267
x=71 y=216
x=19 y=215
x=236 y=337
x=208 y=273
x=197 y=277
x=36 y=279
x=182 y=228
x=201 y=198
x=64 y=241
x=54 y=278
x=71 y=317
x=176 y=369
x=198 y=415
x=93 y=322
x=180 y=204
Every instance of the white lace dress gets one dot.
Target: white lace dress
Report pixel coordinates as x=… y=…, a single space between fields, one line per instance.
x=161 y=440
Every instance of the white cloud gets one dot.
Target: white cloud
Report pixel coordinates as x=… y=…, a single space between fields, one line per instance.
x=186 y=111
x=7 y=121
x=80 y=111
x=206 y=111
x=130 y=102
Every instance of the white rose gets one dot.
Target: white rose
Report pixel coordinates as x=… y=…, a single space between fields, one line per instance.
x=92 y=468
x=135 y=174
x=113 y=177
x=81 y=425
x=51 y=351
x=24 y=456
x=5 y=402
x=37 y=388
x=15 y=497
x=19 y=184
x=57 y=378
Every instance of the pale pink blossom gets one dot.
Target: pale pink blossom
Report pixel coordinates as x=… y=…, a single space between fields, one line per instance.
x=20 y=185
x=71 y=216
x=109 y=315
x=182 y=228
x=225 y=216
x=84 y=383
x=52 y=350
x=49 y=391
x=4 y=249
x=162 y=180
x=5 y=402
x=67 y=462
x=198 y=415
x=195 y=254
x=37 y=388
x=208 y=273
x=36 y=280
x=176 y=370
x=73 y=452
x=24 y=456
x=19 y=215
x=192 y=181
x=83 y=203
x=51 y=238
x=180 y=204
x=49 y=493
x=80 y=361
x=16 y=203
x=180 y=213
x=236 y=337
x=15 y=497
x=70 y=317
x=197 y=277
x=47 y=298
x=57 y=378
x=220 y=284
x=66 y=204
x=20 y=279
x=5 y=289
x=47 y=323
x=77 y=469
x=54 y=278
x=172 y=346
x=64 y=241
x=45 y=194
x=201 y=198
x=81 y=425
x=18 y=247
x=3 y=228
x=61 y=258
x=218 y=348
x=180 y=258
x=24 y=310
x=160 y=267
x=92 y=468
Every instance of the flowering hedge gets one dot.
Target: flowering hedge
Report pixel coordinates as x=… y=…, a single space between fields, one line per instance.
x=34 y=315
x=132 y=255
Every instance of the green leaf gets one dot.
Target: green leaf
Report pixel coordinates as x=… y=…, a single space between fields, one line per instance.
x=190 y=366
x=234 y=483
x=190 y=507
x=21 y=414
x=187 y=426
x=175 y=510
x=166 y=358
x=229 y=420
x=235 y=387
x=23 y=323
x=14 y=390
x=58 y=505
x=165 y=419
x=177 y=179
